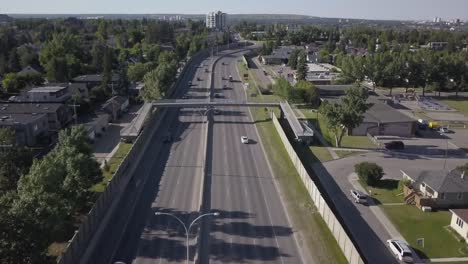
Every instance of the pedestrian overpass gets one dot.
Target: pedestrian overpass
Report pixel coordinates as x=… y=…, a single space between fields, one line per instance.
x=301 y=131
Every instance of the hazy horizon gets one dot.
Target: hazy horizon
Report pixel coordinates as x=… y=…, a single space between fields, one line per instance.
x=357 y=9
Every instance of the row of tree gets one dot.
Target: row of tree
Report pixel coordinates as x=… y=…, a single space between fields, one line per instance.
x=39 y=204
x=302 y=92
x=439 y=71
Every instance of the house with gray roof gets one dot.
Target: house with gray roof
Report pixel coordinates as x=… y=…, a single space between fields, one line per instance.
x=30 y=129
x=279 y=55
x=381 y=119
x=445 y=189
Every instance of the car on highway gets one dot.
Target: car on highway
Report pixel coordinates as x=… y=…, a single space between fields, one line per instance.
x=444 y=130
x=190 y=83
x=167 y=138
x=216 y=111
x=206 y=70
x=358 y=197
x=198 y=79
x=244 y=140
x=401 y=250
x=224 y=86
x=217 y=96
x=394 y=145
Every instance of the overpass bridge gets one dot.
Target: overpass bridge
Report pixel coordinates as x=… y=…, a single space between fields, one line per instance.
x=301 y=131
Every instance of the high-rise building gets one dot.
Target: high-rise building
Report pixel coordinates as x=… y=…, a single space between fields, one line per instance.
x=216 y=20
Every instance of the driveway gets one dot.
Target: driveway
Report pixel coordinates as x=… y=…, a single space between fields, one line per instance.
x=104 y=145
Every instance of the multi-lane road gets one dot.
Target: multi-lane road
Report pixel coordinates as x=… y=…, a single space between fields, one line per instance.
x=252 y=225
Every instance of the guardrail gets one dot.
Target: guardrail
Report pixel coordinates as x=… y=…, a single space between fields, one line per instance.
x=344 y=241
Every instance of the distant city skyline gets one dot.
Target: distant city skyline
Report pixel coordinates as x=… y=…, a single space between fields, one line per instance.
x=365 y=9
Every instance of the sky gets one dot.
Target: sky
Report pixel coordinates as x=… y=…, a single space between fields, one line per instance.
x=370 y=9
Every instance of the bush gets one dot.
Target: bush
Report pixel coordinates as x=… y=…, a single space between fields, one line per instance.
x=370 y=173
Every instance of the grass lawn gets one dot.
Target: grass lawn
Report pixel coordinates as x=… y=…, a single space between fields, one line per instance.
x=461 y=104
x=321 y=153
x=346 y=142
x=386 y=192
x=318 y=238
x=414 y=223
x=113 y=163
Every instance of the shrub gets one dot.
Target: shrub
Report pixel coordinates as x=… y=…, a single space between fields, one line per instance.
x=370 y=173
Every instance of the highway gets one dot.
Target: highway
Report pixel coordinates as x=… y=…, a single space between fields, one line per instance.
x=252 y=227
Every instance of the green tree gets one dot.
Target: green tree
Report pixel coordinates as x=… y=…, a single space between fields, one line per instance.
x=27 y=56
x=347 y=114
x=293 y=59
x=13 y=61
x=308 y=93
x=301 y=66
x=370 y=173
x=283 y=88
x=137 y=71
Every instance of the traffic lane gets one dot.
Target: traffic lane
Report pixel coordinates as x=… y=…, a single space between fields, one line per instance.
x=182 y=176
x=140 y=242
x=263 y=222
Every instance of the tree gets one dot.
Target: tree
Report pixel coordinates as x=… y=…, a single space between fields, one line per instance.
x=158 y=81
x=16 y=162
x=301 y=66
x=13 y=61
x=308 y=93
x=282 y=88
x=347 y=114
x=370 y=173
x=137 y=71
x=293 y=58
x=27 y=56
x=123 y=83
x=7 y=136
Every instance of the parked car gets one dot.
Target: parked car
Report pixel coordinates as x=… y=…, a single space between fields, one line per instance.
x=358 y=197
x=395 y=145
x=216 y=111
x=401 y=250
x=244 y=140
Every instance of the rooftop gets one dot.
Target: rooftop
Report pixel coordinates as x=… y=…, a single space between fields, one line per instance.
x=441 y=181
x=94 y=78
x=283 y=52
x=12 y=119
x=380 y=112
x=320 y=67
x=26 y=108
x=47 y=89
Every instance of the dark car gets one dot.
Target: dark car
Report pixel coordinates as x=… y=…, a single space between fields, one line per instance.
x=395 y=145
x=167 y=139
x=217 y=96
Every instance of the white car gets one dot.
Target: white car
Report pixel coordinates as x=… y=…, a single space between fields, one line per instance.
x=443 y=130
x=401 y=250
x=244 y=140
x=358 y=197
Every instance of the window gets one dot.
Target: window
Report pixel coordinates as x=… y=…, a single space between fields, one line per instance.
x=459 y=196
x=459 y=222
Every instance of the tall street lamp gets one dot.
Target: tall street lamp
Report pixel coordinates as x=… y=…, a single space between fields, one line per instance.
x=185 y=227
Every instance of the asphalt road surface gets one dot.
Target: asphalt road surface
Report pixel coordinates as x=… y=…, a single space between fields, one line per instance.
x=252 y=226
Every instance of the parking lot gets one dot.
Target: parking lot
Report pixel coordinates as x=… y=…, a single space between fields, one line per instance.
x=432 y=144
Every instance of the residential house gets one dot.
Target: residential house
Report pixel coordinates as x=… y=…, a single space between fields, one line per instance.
x=30 y=70
x=459 y=222
x=79 y=89
x=98 y=125
x=58 y=115
x=93 y=80
x=30 y=129
x=135 y=89
x=321 y=73
x=279 y=55
x=115 y=107
x=437 y=189
x=381 y=119
x=49 y=94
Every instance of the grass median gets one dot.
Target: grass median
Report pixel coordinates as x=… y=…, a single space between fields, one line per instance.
x=317 y=237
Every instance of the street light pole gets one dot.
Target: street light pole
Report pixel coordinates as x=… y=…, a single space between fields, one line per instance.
x=185 y=227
